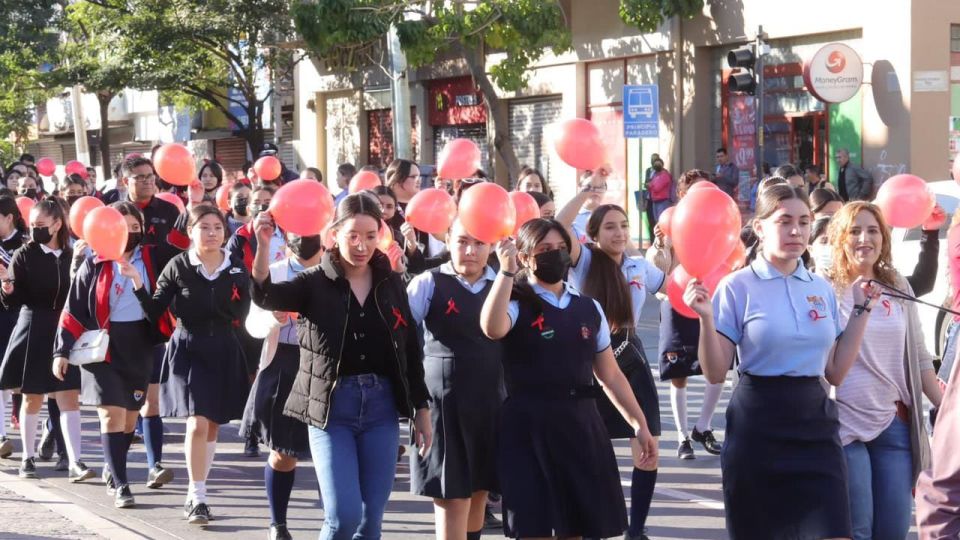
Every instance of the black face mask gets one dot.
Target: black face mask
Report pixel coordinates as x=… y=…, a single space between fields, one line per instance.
x=30 y=193
x=73 y=198
x=133 y=240
x=552 y=265
x=40 y=235
x=305 y=247
x=241 y=206
x=257 y=208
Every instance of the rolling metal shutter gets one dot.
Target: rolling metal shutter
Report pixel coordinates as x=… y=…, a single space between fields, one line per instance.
x=527 y=120
x=230 y=153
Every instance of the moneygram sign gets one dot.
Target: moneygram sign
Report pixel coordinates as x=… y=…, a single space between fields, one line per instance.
x=834 y=74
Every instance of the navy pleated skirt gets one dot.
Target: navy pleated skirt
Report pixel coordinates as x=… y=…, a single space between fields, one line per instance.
x=264 y=411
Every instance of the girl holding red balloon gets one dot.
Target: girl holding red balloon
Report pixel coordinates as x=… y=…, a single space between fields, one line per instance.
x=102 y=298
x=621 y=283
x=203 y=366
x=880 y=402
x=27 y=363
x=782 y=427
x=555 y=341
x=357 y=333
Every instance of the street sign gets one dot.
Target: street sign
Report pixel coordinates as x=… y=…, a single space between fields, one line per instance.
x=641 y=115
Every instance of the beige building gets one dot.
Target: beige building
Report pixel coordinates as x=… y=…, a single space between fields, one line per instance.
x=905 y=117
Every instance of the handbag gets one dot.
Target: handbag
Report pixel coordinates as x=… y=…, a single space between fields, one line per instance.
x=90 y=348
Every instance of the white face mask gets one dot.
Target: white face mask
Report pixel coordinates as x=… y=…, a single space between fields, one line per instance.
x=822 y=256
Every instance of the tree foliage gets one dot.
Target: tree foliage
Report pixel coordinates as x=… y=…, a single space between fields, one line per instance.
x=648 y=15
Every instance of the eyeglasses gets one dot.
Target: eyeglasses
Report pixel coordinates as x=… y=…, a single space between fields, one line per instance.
x=354 y=239
x=144 y=178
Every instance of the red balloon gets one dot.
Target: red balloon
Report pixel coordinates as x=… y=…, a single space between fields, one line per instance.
x=579 y=144
x=268 y=168
x=79 y=211
x=25 y=204
x=487 y=213
x=364 y=180
x=75 y=167
x=460 y=158
x=664 y=221
x=705 y=228
x=677 y=285
x=223 y=198
x=702 y=184
x=303 y=207
x=956 y=169
x=173 y=199
x=105 y=230
x=431 y=210
x=526 y=208
x=737 y=258
x=905 y=201
x=384 y=237
x=46 y=166
x=175 y=164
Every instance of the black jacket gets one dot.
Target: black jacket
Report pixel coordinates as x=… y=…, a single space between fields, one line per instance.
x=40 y=280
x=321 y=296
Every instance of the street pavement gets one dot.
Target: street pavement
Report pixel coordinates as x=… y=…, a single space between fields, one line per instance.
x=688 y=502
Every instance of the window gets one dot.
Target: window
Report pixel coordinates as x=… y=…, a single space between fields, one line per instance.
x=955 y=38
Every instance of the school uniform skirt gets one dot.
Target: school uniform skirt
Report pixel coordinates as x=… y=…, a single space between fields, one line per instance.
x=784 y=472
x=204 y=375
x=628 y=351
x=465 y=399
x=121 y=382
x=28 y=360
x=558 y=471
x=156 y=374
x=263 y=414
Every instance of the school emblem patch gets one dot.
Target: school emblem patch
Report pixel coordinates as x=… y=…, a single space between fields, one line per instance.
x=137 y=395
x=817 y=303
x=585 y=332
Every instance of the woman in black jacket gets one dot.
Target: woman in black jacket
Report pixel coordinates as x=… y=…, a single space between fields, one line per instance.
x=37 y=282
x=203 y=368
x=360 y=366
x=12 y=234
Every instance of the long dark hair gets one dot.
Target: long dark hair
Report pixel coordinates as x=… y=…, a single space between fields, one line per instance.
x=52 y=207
x=530 y=234
x=358 y=204
x=604 y=281
x=8 y=206
x=398 y=171
x=215 y=168
x=127 y=208
x=768 y=201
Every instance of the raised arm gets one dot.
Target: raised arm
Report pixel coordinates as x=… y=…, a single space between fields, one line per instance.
x=494 y=320
x=845 y=350
x=592 y=186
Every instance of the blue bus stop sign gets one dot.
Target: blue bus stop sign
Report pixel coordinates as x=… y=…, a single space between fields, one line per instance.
x=641 y=111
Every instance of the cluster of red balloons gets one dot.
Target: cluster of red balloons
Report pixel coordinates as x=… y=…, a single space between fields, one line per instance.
x=905 y=201
x=705 y=230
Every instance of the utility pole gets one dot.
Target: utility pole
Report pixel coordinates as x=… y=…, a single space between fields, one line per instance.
x=400 y=90
x=80 y=127
x=761 y=49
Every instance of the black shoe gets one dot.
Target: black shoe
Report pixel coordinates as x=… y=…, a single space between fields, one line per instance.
x=641 y=536
x=137 y=437
x=79 y=472
x=251 y=448
x=490 y=521
x=686 y=450
x=47 y=444
x=28 y=469
x=199 y=514
x=188 y=508
x=63 y=464
x=278 y=531
x=6 y=446
x=158 y=476
x=123 y=498
x=107 y=477
x=708 y=441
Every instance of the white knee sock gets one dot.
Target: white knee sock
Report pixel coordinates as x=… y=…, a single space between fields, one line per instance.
x=3 y=413
x=28 y=432
x=197 y=492
x=70 y=425
x=711 y=396
x=211 y=451
x=678 y=402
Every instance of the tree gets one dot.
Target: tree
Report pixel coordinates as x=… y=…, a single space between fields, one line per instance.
x=648 y=15
x=348 y=34
x=207 y=53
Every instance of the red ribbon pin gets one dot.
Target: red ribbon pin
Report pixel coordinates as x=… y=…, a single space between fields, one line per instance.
x=538 y=323
x=451 y=307
x=886 y=304
x=235 y=296
x=400 y=320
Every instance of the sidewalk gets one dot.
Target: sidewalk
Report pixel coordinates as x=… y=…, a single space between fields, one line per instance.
x=27 y=519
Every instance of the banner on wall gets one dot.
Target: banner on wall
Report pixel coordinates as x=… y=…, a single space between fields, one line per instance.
x=743 y=128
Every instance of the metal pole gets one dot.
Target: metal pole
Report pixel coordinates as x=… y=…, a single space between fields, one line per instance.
x=758 y=52
x=80 y=127
x=401 y=97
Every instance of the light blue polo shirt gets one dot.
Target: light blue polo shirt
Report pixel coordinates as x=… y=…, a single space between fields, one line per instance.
x=603 y=335
x=782 y=325
x=124 y=306
x=420 y=289
x=642 y=277
x=288 y=332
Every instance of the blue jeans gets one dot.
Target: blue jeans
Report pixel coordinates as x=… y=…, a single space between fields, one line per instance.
x=880 y=479
x=356 y=457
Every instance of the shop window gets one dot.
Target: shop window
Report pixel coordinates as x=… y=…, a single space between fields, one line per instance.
x=955 y=38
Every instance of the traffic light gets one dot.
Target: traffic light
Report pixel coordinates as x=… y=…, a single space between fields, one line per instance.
x=744 y=63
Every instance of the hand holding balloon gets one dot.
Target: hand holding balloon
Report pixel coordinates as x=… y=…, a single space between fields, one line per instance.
x=264 y=226
x=936 y=220
x=698 y=298
x=127 y=270
x=507 y=254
